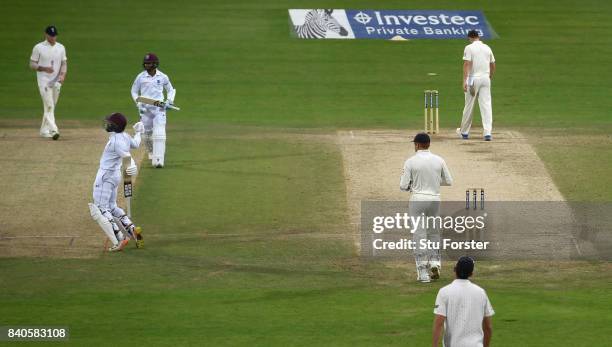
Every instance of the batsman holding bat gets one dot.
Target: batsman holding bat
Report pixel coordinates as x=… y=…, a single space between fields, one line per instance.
x=104 y=209
x=148 y=94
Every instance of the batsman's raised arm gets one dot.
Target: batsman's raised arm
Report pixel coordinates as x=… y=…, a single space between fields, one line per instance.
x=138 y=130
x=104 y=209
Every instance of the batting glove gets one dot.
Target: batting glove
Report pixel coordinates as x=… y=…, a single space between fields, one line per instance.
x=132 y=170
x=138 y=128
x=167 y=104
x=141 y=107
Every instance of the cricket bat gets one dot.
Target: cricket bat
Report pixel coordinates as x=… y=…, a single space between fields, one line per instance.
x=127 y=186
x=159 y=103
x=127 y=192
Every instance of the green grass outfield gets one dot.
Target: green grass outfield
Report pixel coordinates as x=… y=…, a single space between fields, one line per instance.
x=235 y=62
x=246 y=233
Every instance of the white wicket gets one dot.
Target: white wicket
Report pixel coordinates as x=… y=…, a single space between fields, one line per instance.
x=432 y=112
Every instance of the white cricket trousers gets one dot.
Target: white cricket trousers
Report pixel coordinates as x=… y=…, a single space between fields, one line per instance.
x=154 y=120
x=105 y=189
x=49 y=96
x=482 y=85
x=425 y=205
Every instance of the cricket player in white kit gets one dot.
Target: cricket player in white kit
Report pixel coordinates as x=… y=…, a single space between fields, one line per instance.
x=104 y=209
x=50 y=63
x=423 y=175
x=478 y=70
x=151 y=84
x=464 y=311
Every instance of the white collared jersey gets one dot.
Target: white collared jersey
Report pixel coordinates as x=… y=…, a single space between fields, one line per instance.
x=45 y=54
x=464 y=305
x=481 y=57
x=424 y=173
x=153 y=86
x=118 y=147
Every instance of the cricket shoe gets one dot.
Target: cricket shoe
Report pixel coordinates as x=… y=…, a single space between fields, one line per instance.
x=139 y=238
x=55 y=135
x=157 y=163
x=434 y=272
x=423 y=275
x=463 y=136
x=119 y=246
x=133 y=231
x=488 y=138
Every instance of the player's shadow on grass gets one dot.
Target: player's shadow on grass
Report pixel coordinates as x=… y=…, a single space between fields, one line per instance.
x=296 y=294
x=188 y=236
x=192 y=163
x=237 y=172
x=216 y=266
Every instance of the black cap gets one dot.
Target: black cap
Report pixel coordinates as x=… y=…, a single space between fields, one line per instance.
x=464 y=267
x=51 y=30
x=473 y=33
x=421 y=138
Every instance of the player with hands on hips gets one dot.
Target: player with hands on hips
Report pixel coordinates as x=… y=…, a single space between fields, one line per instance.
x=104 y=209
x=151 y=83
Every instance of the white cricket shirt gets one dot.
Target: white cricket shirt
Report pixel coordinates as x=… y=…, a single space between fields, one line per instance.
x=45 y=54
x=424 y=173
x=153 y=86
x=118 y=146
x=464 y=305
x=481 y=56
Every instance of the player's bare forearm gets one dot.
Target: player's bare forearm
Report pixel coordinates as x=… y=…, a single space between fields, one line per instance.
x=467 y=67
x=63 y=72
x=487 y=328
x=492 y=70
x=438 y=325
x=34 y=66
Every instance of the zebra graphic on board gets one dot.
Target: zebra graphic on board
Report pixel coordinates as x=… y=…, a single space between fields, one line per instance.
x=317 y=23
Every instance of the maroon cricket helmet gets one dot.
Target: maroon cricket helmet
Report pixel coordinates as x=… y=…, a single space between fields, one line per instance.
x=150 y=58
x=116 y=122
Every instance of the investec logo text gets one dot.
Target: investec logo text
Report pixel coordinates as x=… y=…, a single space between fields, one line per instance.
x=452 y=24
